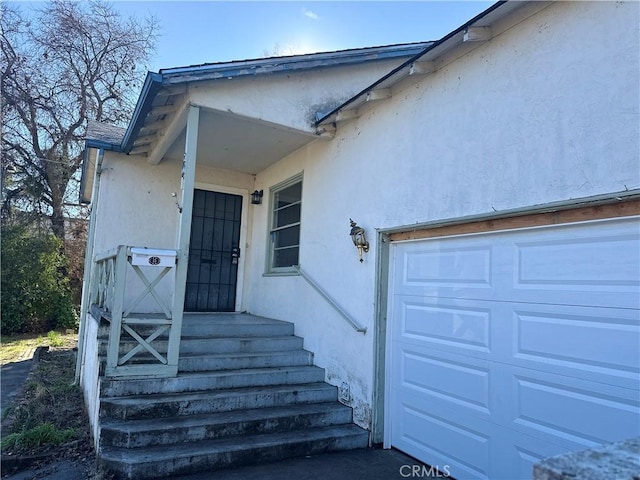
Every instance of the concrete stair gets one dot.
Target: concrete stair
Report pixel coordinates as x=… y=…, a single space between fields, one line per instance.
x=247 y=392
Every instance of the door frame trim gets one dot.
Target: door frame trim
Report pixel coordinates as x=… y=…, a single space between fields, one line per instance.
x=244 y=222
x=622 y=204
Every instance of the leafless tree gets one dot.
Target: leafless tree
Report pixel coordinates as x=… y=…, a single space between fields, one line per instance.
x=62 y=65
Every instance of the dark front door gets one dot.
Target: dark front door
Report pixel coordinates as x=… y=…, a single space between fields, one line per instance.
x=214 y=252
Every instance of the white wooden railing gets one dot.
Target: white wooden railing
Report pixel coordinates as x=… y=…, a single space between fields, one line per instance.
x=139 y=343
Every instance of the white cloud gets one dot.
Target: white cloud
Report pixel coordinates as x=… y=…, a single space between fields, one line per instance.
x=310 y=14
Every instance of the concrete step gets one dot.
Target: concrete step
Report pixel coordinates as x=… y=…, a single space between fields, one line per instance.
x=195 y=428
x=233 y=325
x=219 y=325
x=234 y=361
x=191 y=457
x=199 y=381
x=217 y=345
x=211 y=401
x=246 y=392
x=229 y=361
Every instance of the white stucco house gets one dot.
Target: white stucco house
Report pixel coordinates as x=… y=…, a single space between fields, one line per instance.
x=494 y=318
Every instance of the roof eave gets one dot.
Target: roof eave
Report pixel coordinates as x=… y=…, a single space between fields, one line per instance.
x=152 y=84
x=100 y=144
x=330 y=117
x=288 y=63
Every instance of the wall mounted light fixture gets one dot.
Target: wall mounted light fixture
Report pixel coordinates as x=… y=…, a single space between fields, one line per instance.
x=256 y=197
x=359 y=239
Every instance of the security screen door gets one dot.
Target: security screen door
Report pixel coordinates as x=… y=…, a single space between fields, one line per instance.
x=214 y=252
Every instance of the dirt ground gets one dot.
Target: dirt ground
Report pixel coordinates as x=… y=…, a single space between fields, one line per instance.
x=49 y=396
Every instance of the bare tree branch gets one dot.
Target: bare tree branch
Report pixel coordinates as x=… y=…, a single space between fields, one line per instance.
x=76 y=61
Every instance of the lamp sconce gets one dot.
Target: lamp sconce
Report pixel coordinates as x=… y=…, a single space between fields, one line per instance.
x=359 y=239
x=256 y=197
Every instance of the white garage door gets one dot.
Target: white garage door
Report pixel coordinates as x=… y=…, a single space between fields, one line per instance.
x=509 y=347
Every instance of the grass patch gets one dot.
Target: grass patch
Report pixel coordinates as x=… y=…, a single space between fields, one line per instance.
x=19 y=347
x=55 y=339
x=42 y=434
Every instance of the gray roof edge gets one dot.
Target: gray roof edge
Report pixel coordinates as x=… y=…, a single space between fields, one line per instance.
x=294 y=62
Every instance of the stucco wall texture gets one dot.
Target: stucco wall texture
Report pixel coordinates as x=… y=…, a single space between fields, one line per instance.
x=546 y=111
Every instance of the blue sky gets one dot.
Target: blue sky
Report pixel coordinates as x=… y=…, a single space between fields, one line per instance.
x=215 y=31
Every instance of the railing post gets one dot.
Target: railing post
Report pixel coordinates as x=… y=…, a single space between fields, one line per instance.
x=119 y=271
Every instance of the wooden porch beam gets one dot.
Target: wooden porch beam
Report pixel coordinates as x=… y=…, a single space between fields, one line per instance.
x=173 y=90
x=144 y=140
x=154 y=127
x=140 y=150
x=173 y=130
x=162 y=110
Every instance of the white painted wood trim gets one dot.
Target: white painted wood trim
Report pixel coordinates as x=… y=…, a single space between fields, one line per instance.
x=477 y=34
x=386 y=442
x=422 y=68
x=184 y=233
x=115 y=330
x=379 y=94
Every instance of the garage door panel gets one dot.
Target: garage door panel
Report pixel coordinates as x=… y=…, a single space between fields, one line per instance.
x=467 y=446
x=572 y=412
x=427 y=432
x=599 y=344
x=454 y=379
x=448 y=324
x=577 y=265
x=513 y=454
x=437 y=269
x=584 y=260
x=564 y=265
x=448 y=264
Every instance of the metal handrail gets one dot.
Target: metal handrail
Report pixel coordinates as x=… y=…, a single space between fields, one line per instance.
x=356 y=326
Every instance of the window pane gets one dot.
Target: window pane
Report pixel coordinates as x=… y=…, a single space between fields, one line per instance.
x=286 y=216
x=285 y=257
x=288 y=195
x=285 y=225
x=287 y=237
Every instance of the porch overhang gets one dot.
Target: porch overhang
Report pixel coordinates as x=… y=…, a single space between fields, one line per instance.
x=244 y=126
x=227 y=140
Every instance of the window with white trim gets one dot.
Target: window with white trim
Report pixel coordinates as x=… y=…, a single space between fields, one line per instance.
x=286 y=203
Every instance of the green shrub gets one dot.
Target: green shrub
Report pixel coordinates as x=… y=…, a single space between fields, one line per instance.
x=35 y=296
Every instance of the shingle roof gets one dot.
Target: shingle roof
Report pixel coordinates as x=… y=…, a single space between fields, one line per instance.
x=104 y=133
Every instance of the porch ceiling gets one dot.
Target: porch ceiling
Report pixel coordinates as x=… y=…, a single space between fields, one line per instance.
x=237 y=143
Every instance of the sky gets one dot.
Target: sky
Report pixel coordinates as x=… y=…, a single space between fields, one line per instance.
x=195 y=32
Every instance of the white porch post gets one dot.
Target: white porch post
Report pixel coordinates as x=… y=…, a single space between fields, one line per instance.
x=184 y=233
